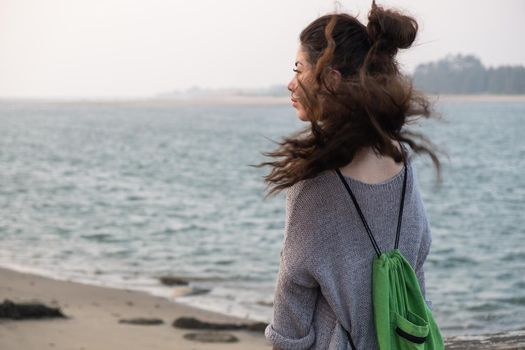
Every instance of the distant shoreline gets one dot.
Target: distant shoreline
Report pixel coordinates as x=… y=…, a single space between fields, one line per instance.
x=230 y=100
x=479 y=98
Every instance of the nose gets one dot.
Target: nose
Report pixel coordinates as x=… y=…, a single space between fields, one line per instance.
x=292 y=85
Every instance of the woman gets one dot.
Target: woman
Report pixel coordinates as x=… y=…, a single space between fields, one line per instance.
x=348 y=87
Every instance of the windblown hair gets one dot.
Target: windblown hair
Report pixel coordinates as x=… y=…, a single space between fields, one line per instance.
x=368 y=109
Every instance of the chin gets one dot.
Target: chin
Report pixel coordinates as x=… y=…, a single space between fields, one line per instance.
x=301 y=114
x=302 y=117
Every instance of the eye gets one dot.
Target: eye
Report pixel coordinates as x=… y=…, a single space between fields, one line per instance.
x=296 y=71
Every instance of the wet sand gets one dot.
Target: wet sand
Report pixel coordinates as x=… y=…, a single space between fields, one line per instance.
x=94 y=319
x=94 y=313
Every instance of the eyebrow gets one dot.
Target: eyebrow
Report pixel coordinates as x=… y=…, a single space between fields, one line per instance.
x=297 y=62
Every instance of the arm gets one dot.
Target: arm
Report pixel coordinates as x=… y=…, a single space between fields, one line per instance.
x=296 y=290
x=421 y=258
x=294 y=304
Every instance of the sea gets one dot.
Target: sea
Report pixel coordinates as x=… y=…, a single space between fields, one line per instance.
x=121 y=194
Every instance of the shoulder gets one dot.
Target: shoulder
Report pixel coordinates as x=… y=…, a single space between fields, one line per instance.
x=306 y=214
x=308 y=209
x=309 y=194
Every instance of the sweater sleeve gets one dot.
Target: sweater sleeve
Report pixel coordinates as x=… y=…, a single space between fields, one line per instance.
x=296 y=290
x=426 y=242
x=422 y=256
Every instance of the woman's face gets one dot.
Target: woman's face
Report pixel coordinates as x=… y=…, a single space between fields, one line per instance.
x=302 y=71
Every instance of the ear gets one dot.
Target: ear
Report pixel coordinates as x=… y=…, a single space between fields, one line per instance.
x=334 y=79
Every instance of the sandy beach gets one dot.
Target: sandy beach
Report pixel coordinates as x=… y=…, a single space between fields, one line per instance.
x=94 y=319
x=94 y=312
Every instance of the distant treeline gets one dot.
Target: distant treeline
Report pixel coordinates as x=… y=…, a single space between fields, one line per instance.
x=466 y=75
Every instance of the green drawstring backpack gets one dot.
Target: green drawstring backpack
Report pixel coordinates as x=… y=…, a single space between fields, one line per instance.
x=402 y=318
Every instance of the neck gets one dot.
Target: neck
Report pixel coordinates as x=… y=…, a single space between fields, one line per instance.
x=369 y=167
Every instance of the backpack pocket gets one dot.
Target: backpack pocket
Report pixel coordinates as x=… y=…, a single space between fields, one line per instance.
x=411 y=331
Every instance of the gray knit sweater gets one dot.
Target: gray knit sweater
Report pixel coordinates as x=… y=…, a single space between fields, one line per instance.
x=325 y=271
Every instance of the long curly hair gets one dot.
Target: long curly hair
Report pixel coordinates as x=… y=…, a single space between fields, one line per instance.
x=368 y=109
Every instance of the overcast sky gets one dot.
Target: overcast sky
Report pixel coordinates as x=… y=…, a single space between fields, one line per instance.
x=138 y=48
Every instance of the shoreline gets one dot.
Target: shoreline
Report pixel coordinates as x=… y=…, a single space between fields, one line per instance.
x=226 y=100
x=95 y=312
x=193 y=286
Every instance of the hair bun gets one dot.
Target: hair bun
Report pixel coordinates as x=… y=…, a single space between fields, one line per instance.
x=389 y=30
